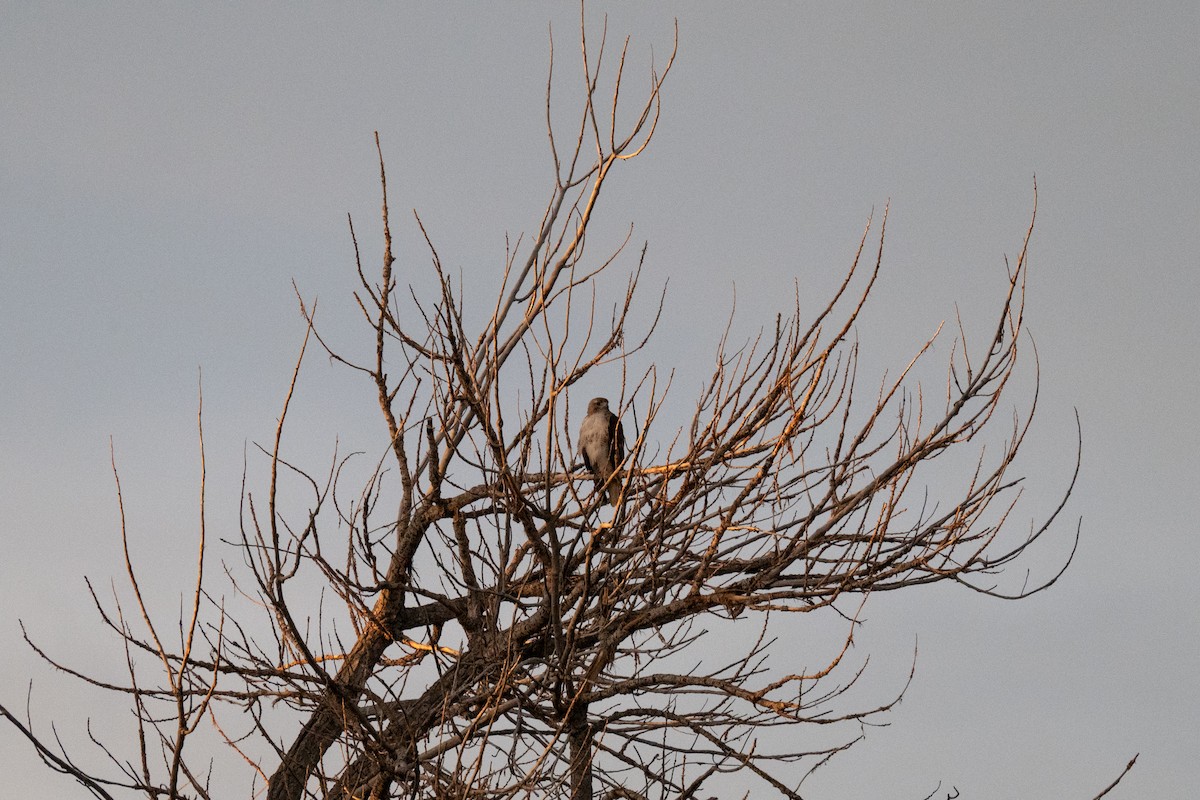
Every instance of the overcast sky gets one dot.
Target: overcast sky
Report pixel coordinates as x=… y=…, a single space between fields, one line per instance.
x=167 y=172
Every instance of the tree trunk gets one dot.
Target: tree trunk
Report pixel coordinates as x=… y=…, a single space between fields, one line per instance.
x=579 y=737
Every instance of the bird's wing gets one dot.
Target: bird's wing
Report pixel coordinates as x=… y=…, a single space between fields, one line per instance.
x=616 y=439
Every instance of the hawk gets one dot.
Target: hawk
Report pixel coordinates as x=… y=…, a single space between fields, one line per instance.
x=602 y=445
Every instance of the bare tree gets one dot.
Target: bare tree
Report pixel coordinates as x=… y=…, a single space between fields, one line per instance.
x=498 y=630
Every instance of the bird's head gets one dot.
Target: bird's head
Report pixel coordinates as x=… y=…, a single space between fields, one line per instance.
x=598 y=404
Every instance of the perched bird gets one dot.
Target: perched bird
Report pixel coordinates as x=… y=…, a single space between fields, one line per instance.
x=602 y=445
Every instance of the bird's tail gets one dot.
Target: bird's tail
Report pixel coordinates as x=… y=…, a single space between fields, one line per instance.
x=614 y=488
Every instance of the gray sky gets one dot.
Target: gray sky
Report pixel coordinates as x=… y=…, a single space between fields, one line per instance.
x=167 y=171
